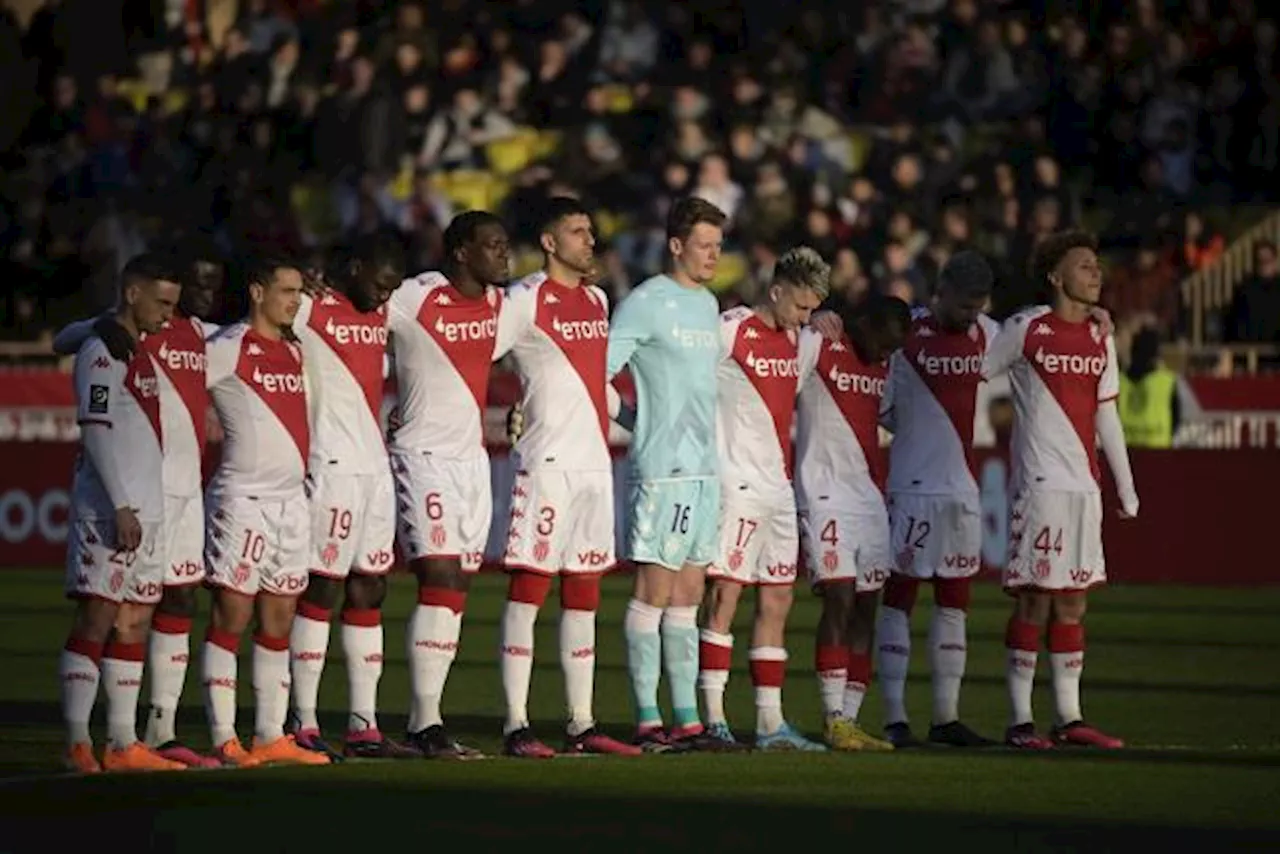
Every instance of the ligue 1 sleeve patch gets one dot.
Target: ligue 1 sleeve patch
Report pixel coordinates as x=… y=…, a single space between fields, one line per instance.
x=99 y=396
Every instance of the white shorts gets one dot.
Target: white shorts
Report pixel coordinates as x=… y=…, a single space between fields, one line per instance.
x=352 y=523
x=98 y=570
x=255 y=545
x=840 y=544
x=936 y=536
x=1055 y=541
x=183 y=537
x=561 y=521
x=759 y=539
x=443 y=506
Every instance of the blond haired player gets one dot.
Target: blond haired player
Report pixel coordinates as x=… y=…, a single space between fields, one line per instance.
x=258 y=536
x=1064 y=377
x=115 y=562
x=759 y=540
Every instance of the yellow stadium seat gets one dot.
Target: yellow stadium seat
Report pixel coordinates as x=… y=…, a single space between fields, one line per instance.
x=619 y=98
x=508 y=156
x=135 y=92
x=175 y=101
x=547 y=144
x=731 y=271
x=609 y=223
x=859 y=150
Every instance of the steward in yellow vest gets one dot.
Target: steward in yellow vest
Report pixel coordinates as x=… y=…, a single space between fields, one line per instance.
x=1148 y=396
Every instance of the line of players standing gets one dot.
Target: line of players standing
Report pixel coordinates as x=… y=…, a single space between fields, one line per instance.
x=300 y=517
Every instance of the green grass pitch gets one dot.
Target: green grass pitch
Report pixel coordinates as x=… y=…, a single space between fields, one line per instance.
x=1188 y=675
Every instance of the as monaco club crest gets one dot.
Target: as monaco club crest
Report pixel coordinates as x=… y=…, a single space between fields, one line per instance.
x=438 y=536
x=1042 y=568
x=116 y=581
x=735 y=560
x=240 y=574
x=541 y=550
x=830 y=560
x=329 y=554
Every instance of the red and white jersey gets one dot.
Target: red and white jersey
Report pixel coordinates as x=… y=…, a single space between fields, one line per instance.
x=344 y=353
x=838 y=454
x=1059 y=372
x=755 y=402
x=560 y=339
x=930 y=403
x=260 y=395
x=445 y=345
x=125 y=400
x=179 y=354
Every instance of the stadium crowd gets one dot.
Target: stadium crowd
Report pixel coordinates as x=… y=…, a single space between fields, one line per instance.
x=887 y=135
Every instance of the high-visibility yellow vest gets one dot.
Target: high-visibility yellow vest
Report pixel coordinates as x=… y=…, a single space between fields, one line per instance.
x=1146 y=409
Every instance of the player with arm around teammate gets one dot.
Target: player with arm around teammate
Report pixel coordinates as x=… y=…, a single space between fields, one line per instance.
x=258 y=525
x=342 y=331
x=115 y=555
x=1064 y=377
x=758 y=382
x=178 y=352
x=844 y=526
x=447 y=328
x=562 y=501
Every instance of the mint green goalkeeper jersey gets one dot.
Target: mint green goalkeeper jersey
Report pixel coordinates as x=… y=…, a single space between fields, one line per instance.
x=670 y=337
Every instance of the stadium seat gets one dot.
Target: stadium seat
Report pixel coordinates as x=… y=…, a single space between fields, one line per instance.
x=175 y=101
x=619 y=98
x=609 y=223
x=135 y=92
x=547 y=144
x=732 y=270
x=508 y=156
x=859 y=150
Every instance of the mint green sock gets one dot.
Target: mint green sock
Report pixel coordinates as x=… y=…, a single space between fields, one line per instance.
x=680 y=657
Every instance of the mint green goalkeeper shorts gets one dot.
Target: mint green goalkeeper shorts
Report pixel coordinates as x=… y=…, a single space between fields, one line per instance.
x=674 y=522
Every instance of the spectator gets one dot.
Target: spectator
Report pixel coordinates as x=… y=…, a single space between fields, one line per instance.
x=1255 y=311
x=1201 y=245
x=1148 y=403
x=1146 y=285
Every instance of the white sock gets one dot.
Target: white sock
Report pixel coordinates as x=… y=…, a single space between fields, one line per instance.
x=893 y=646
x=122 y=683
x=831 y=684
x=1067 y=668
x=270 y=687
x=432 y=641
x=80 y=676
x=218 y=675
x=947 y=654
x=768 y=670
x=308 y=647
x=715 y=650
x=1020 y=675
x=168 y=652
x=853 y=695
x=517 y=661
x=578 y=661
x=362 y=648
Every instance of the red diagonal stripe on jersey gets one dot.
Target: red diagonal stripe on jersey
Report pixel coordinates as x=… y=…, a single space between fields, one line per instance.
x=856 y=388
x=465 y=329
x=578 y=323
x=179 y=349
x=769 y=359
x=141 y=381
x=289 y=405
x=358 y=339
x=1076 y=391
x=933 y=356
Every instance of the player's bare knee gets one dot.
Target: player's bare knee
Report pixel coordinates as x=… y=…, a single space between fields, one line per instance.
x=837 y=600
x=721 y=604
x=689 y=586
x=365 y=591
x=441 y=574
x=323 y=592
x=1068 y=607
x=773 y=603
x=275 y=614
x=580 y=592
x=94 y=620
x=133 y=622
x=530 y=588
x=900 y=593
x=655 y=585
x=953 y=593
x=231 y=612
x=862 y=618
x=1033 y=606
x=178 y=601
